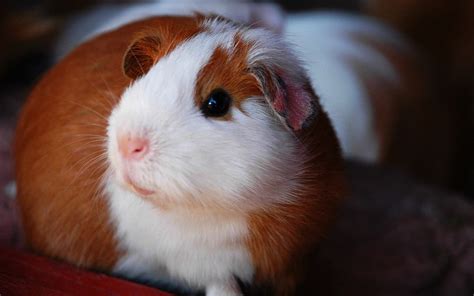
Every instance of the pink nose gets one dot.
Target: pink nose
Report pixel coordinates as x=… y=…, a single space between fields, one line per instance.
x=133 y=148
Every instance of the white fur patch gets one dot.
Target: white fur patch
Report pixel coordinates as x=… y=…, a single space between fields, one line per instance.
x=178 y=246
x=325 y=42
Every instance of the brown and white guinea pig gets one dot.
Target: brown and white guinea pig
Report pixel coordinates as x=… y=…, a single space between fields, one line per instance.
x=187 y=149
x=370 y=80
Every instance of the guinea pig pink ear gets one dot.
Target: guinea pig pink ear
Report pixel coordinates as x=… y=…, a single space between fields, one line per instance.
x=291 y=97
x=141 y=56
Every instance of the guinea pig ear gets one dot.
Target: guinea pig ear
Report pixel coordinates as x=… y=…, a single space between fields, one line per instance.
x=141 y=56
x=290 y=96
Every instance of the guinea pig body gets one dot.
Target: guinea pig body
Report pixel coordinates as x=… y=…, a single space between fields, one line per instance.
x=185 y=149
x=362 y=73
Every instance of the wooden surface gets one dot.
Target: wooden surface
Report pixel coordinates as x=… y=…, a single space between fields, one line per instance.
x=22 y=273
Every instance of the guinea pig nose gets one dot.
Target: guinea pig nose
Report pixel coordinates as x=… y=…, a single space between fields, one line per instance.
x=133 y=148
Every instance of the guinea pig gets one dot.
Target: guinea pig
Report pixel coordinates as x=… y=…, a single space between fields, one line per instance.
x=191 y=150
x=369 y=79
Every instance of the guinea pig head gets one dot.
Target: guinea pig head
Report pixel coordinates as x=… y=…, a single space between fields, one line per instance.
x=211 y=116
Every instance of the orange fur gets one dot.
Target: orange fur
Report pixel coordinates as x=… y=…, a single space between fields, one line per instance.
x=227 y=71
x=152 y=44
x=284 y=236
x=60 y=145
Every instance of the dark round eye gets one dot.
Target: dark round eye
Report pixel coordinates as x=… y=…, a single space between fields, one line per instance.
x=217 y=104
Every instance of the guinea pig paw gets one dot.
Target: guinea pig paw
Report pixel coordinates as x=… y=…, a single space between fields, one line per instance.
x=229 y=288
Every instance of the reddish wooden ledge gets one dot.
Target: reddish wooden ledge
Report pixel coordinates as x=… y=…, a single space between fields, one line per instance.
x=26 y=274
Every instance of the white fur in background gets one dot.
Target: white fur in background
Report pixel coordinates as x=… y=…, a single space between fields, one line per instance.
x=110 y=16
x=326 y=41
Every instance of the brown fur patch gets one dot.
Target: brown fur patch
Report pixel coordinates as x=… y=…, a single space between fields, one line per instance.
x=152 y=44
x=394 y=104
x=228 y=71
x=283 y=237
x=141 y=56
x=60 y=141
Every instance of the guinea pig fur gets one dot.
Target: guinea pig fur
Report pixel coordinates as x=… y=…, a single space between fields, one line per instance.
x=184 y=149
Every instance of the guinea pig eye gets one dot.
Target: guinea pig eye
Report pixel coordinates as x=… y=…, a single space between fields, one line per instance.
x=217 y=104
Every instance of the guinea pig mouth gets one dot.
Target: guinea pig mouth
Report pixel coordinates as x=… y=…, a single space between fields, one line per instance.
x=141 y=191
x=137 y=189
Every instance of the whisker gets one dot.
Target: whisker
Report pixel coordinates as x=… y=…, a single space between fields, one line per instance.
x=88 y=164
x=110 y=93
x=85 y=160
x=66 y=145
x=89 y=109
x=107 y=96
x=90 y=124
x=90 y=136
